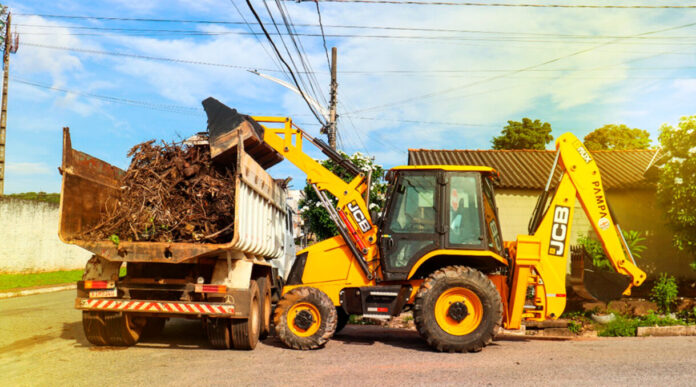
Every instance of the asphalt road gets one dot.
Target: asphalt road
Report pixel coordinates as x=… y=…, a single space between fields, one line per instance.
x=42 y=344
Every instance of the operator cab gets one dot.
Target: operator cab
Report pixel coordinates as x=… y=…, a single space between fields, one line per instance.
x=437 y=207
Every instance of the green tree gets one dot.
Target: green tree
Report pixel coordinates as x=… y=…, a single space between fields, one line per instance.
x=616 y=137
x=316 y=217
x=676 y=185
x=527 y=134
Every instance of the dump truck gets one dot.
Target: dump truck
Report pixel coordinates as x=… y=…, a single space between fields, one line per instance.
x=228 y=286
x=437 y=248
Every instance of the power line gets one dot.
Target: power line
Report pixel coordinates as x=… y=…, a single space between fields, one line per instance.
x=251 y=30
x=449 y=90
x=258 y=19
x=687 y=40
x=144 y=57
x=184 y=21
x=323 y=36
x=518 y=5
x=180 y=109
x=299 y=48
x=506 y=34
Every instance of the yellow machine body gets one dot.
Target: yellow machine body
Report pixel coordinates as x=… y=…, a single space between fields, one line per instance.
x=538 y=261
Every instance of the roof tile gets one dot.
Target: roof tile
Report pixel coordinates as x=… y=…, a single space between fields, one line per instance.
x=528 y=169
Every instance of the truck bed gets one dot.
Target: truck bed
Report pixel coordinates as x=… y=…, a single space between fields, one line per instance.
x=89 y=182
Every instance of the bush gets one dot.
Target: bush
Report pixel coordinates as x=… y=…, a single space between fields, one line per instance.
x=595 y=250
x=664 y=292
x=621 y=326
x=575 y=327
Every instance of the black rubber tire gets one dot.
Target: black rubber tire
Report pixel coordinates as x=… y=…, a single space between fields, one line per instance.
x=342 y=319
x=94 y=326
x=464 y=277
x=265 y=303
x=245 y=332
x=123 y=329
x=218 y=332
x=153 y=327
x=326 y=310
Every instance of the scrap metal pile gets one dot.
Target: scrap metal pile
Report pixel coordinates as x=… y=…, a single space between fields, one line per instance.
x=170 y=193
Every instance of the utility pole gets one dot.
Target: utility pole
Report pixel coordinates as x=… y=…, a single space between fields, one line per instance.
x=9 y=47
x=331 y=127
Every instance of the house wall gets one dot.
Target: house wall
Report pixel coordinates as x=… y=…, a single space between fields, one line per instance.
x=29 y=239
x=635 y=209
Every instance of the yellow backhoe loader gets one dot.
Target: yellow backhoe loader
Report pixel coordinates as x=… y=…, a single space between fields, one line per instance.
x=437 y=248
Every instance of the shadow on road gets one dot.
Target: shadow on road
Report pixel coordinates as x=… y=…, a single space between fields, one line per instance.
x=369 y=335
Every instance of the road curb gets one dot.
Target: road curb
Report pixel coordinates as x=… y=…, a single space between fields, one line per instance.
x=28 y=292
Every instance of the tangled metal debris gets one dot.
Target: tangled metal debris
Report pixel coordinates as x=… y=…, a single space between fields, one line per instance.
x=170 y=193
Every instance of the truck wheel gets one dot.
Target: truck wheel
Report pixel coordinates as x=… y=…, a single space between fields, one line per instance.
x=218 y=332
x=265 y=293
x=94 y=326
x=245 y=332
x=342 y=319
x=123 y=329
x=458 y=309
x=305 y=318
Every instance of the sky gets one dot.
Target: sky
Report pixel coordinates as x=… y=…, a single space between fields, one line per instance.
x=409 y=76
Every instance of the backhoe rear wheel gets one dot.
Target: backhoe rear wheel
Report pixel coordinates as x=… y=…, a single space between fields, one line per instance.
x=458 y=309
x=245 y=332
x=305 y=318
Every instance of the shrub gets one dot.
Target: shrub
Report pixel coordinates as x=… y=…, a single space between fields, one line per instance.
x=575 y=327
x=664 y=292
x=621 y=326
x=595 y=250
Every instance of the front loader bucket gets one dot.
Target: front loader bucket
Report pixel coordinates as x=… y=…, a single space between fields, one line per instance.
x=592 y=283
x=228 y=129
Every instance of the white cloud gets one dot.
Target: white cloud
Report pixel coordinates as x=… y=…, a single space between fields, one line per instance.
x=28 y=168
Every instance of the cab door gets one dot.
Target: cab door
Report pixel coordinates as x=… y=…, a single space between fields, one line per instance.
x=412 y=226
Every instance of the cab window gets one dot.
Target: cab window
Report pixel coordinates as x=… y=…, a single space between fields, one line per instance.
x=463 y=203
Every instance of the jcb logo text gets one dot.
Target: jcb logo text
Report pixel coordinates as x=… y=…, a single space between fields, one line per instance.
x=359 y=217
x=559 y=230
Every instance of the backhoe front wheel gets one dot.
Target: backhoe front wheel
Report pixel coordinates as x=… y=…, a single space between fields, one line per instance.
x=458 y=309
x=305 y=318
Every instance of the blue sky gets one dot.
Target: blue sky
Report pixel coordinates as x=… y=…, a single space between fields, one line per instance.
x=460 y=83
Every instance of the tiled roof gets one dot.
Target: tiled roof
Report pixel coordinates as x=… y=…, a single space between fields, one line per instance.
x=529 y=169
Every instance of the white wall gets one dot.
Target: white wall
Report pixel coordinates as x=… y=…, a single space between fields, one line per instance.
x=29 y=239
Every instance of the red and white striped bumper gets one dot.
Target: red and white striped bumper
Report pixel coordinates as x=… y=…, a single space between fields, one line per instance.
x=148 y=306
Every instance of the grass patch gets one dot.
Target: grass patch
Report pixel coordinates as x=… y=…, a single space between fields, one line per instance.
x=623 y=326
x=37 y=196
x=12 y=281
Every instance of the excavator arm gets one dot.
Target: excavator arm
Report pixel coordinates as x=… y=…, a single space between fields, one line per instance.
x=541 y=258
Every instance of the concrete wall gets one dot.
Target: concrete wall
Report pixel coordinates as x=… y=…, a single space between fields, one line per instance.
x=29 y=239
x=635 y=209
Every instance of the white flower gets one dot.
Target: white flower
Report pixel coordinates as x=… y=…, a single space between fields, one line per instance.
x=678 y=180
x=373 y=206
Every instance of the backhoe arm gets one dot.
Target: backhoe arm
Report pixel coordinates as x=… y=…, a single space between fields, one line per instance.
x=541 y=258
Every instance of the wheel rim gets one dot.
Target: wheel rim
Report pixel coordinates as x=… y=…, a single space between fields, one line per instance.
x=304 y=309
x=463 y=304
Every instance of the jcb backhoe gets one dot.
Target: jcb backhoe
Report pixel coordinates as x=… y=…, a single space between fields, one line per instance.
x=437 y=248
